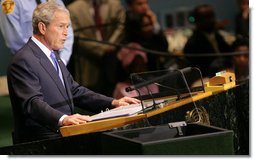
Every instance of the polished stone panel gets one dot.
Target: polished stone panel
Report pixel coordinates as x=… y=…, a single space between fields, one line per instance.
x=229 y=110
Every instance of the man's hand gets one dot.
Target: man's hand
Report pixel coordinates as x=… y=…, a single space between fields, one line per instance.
x=75 y=119
x=124 y=101
x=152 y=16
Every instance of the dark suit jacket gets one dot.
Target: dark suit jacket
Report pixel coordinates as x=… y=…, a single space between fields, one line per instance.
x=38 y=97
x=198 y=43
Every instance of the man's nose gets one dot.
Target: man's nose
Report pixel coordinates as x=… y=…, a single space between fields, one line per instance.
x=65 y=32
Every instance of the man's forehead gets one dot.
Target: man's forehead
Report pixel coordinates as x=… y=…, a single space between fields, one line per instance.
x=61 y=15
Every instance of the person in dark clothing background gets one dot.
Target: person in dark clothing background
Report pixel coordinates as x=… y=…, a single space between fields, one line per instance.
x=241 y=61
x=139 y=29
x=205 y=39
x=242 y=19
x=142 y=27
x=142 y=31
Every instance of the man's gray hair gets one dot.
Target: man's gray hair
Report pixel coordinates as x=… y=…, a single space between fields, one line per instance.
x=45 y=12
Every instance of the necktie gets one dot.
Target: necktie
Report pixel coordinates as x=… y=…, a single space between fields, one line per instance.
x=56 y=66
x=53 y=57
x=97 y=16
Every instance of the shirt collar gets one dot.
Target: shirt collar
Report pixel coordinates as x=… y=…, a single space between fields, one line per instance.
x=44 y=49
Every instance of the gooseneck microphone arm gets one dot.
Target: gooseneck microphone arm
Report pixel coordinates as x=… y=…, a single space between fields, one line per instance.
x=147 y=88
x=171 y=88
x=143 y=109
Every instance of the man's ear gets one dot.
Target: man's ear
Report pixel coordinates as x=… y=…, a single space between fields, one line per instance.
x=42 y=28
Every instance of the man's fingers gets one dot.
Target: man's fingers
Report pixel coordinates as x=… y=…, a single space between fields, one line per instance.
x=76 y=119
x=131 y=100
x=84 y=118
x=123 y=104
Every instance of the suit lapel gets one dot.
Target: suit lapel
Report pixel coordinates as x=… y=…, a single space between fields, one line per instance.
x=65 y=91
x=62 y=67
x=49 y=68
x=46 y=64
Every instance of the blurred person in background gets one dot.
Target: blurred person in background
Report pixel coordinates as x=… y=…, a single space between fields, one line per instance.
x=242 y=19
x=142 y=27
x=241 y=61
x=143 y=7
x=131 y=61
x=206 y=40
x=139 y=34
x=16 y=25
x=94 y=63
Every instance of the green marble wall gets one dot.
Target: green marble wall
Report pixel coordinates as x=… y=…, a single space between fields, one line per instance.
x=229 y=110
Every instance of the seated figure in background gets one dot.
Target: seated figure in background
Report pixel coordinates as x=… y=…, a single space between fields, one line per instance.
x=241 y=61
x=206 y=40
x=96 y=21
x=133 y=61
x=142 y=27
x=242 y=19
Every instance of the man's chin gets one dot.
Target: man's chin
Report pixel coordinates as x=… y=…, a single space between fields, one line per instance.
x=59 y=47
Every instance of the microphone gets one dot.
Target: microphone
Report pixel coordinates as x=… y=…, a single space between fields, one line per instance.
x=186 y=83
x=171 y=88
x=147 y=88
x=155 y=80
x=146 y=121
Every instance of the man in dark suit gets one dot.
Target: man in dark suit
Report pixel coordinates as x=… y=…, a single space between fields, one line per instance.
x=42 y=91
x=206 y=39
